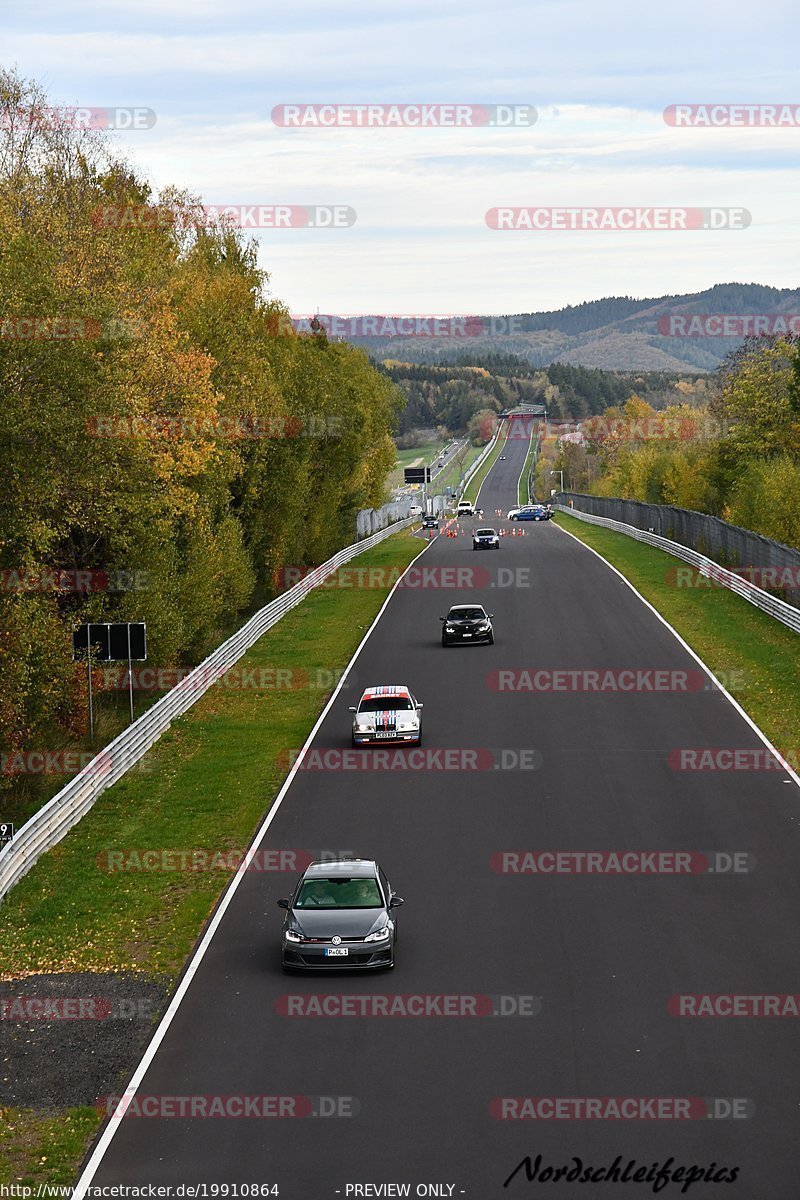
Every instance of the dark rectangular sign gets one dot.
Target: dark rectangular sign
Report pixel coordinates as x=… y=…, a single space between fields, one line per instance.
x=417 y=474
x=6 y=832
x=110 y=641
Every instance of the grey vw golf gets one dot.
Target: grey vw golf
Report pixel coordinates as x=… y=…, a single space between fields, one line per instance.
x=341 y=915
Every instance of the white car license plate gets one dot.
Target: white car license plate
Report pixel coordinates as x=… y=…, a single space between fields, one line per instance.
x=466 y=635
x=386 y=733
x=336 y=951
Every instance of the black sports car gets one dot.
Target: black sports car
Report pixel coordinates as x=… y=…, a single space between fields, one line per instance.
x=467 y=623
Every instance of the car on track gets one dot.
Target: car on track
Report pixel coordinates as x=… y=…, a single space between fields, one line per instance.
x=467 y=623
x=430 y=522
x=512 y=513
x=388 y=713
x=502 y=458
x=533 y=512
x=465 y=509
x=340 y=915
x=485 y=539
x=415 y=510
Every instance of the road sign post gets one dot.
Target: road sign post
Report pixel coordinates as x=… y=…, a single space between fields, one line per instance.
x=112 y=641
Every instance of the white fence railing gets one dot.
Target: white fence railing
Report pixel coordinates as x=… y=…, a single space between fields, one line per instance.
x=768 y=603
x=48 y=826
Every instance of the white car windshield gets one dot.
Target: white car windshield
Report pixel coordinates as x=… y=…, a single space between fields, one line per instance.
x=486 y=533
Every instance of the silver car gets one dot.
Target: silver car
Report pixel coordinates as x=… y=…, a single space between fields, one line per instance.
x=485 y=539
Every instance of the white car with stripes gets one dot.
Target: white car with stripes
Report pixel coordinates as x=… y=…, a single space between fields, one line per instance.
x=389 y=713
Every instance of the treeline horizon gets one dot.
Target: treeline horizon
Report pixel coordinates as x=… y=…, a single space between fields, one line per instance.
x=159 y=419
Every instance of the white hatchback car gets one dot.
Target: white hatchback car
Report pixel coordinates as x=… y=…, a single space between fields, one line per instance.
x=387 y=714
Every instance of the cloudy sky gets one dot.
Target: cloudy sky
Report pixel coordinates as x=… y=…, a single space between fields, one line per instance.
x=599 y=74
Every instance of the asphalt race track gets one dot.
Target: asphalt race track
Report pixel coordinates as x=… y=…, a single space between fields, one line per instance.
x=601 y=953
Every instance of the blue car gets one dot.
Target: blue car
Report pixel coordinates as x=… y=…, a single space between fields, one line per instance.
x=536 y=512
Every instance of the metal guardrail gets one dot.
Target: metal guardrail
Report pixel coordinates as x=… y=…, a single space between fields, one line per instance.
x=779 y=609
x=52 y=822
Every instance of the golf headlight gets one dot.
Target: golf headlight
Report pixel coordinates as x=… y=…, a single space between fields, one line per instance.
x=291 y=936
x=449 y=628
x=483 y=625
x=380 y=935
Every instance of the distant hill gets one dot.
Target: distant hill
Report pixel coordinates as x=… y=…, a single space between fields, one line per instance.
x=616 y=334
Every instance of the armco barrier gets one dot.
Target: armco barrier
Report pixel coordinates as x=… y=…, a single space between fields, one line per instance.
x=779 y=609
x=48 y=826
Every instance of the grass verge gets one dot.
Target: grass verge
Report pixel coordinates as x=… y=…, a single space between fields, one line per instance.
x=44 y=1147
x=754 y=656
x=207 y=785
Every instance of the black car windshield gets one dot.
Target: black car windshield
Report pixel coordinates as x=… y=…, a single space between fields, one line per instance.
x=466 y=614
x=485 y=533
x=339 y=893
x=385 y=704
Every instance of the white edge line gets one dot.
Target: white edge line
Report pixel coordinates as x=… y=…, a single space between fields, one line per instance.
x=191 y=969
x=718 y=686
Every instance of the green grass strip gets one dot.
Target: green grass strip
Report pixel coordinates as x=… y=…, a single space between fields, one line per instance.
x=44 y=1147
x=754 y=656
x=206 y=784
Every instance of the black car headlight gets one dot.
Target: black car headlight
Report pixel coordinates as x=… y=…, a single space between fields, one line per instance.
x=292 y=936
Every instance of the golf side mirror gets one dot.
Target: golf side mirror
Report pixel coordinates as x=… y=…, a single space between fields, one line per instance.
x=395 y=901
x=283 y=904
x=352 y=708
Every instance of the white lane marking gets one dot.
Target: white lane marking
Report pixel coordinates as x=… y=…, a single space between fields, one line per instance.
x=717 y=685
x=191 y=969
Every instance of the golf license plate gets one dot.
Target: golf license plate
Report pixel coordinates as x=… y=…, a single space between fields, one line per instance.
x=336 y=951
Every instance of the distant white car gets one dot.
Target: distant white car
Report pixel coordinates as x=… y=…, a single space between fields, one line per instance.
x=415 y=510
x=465 y=509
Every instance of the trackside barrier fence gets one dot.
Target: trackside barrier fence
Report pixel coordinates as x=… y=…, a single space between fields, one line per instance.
x=779 y=609
x=728 y=545
x=48 y=826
